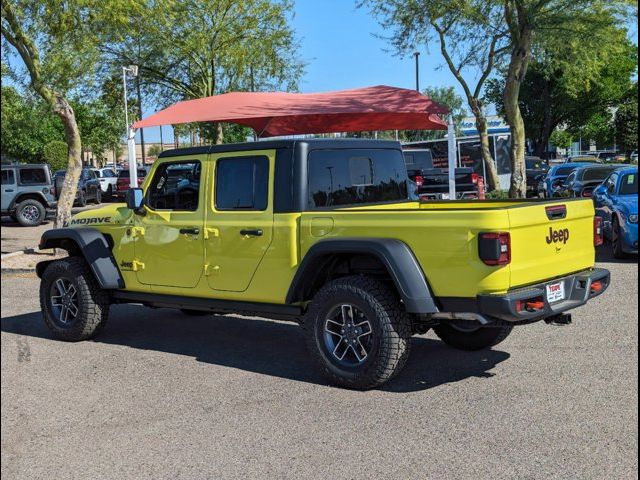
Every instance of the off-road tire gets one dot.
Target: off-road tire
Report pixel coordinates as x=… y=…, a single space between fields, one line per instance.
x=98 y=196
x=93 y=302
x=30 y=204
x=82 y=199
x=195 y=313
x=390 y=325
x=109 y=192
x=480 y=339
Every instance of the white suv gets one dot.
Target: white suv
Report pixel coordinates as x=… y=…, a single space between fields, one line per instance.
x=107 y=178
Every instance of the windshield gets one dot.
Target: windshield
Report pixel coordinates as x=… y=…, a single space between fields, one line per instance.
x=125 y=173
x=592 y=174
x=629 y=184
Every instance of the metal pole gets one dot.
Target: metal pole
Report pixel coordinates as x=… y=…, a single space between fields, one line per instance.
x=140 y=116
x=453 y=154
x=161 y=143
x=417 y=55
x=126 y=108
x=133 y=166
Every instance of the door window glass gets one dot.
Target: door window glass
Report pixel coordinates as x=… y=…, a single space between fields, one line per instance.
x=242 y=183
x=7 y=177
x=175 y=186
x=32 y=176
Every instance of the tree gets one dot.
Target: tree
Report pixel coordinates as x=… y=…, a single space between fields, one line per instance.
x=27 y=125
x=551 y=97
x=573 y=32
x=55 y=154
x=561 y=139
x=32 y=24
x=448 y=97
x=197 y=48
x=471 y=37
x=626 y=122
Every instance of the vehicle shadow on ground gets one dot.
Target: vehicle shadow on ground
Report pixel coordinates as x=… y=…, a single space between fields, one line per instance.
x=604 y=254
x=262 y=346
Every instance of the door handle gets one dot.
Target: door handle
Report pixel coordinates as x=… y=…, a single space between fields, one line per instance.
x=251 y=232
x=190 y=231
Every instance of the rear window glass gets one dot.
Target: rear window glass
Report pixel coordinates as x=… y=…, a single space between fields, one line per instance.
x=629 y=184
x=351 y=177
x=242 y=183
x=125 y=173
x=418 y=160
x=32 y=176
x=596 y=174
x=7 y=177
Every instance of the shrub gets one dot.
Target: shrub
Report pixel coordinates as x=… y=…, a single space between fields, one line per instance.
x=55 y=154
x=498 y=195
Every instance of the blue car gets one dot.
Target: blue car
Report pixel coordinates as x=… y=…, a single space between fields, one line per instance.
x=554 y=181
x=616 y=201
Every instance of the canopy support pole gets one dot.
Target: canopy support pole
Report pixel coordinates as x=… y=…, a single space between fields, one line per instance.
x=453 y=154
x=131 y=155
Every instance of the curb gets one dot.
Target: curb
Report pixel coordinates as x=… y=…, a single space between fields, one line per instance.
x=11 y=255
x=10 y=271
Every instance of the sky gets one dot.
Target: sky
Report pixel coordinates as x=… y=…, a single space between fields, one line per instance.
x=341 y=50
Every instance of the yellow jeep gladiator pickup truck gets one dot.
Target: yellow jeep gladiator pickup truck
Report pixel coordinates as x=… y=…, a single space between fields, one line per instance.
x=323 y=232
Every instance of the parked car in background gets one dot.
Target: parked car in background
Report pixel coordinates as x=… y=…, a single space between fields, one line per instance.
x=88 y=186
x=108 y=180
x=27 y=193
x=553 y=181
x=536 y=170
x=633 y=158
x=583 y=180
x=122 y=183
x=607 y=156
x=583 y=159
x=433 y=183
x=616 y=202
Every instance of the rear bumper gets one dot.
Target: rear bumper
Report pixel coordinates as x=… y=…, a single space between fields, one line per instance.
x=579 y=289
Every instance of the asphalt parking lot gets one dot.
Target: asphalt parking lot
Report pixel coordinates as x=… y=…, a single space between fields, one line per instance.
x=162 y=395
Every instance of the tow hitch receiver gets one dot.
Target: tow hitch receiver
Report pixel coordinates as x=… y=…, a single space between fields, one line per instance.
x=561 y=320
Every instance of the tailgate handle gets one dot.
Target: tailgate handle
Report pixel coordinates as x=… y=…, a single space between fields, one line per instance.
x=556 y=212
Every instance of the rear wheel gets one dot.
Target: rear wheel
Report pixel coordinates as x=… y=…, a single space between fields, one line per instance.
x=30 y=213
x=82 y=198
x=98 y=196
x=358 y=332
x=472 y=337
x=74 y=307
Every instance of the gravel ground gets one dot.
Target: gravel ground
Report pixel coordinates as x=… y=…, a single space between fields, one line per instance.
x=162 y=395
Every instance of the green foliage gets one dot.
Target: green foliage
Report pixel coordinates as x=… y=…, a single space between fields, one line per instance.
x=101 y=126
x=626 y=122
x=448 y=97
x=27 y=125
x=497 y=195
x=154 y=150
x=55 y=154
x=561 y=139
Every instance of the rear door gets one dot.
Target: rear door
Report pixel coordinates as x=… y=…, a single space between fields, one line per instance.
x=239 y=221
x=550 y=240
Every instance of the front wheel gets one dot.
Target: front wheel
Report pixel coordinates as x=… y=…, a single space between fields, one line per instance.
x=358 y=332
x=82 y=198
x=98 y=196
x=30 y=213
x=472 y=337
x=73 y=305
x=616 y=240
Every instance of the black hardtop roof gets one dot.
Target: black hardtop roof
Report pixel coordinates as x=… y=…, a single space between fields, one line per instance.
x=315 y=143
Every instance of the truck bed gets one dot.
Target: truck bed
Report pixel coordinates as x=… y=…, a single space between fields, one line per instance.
x=444 y=238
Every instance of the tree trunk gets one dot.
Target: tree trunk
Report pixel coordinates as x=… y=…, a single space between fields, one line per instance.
x=516 y=73
x=483 y=131
x=219 y=133
x=74 y=167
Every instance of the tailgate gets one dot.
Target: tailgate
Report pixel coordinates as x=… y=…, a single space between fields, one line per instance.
x=550 y=239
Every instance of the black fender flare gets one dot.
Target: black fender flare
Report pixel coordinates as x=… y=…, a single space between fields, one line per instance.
x=39 y=196
x=394 y=254
x=92 y=245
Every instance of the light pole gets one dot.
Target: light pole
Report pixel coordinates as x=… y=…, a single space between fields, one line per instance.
x=417 y=55
x=133 y=172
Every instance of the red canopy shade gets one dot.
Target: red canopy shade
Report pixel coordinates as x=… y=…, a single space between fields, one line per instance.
x=279 y=113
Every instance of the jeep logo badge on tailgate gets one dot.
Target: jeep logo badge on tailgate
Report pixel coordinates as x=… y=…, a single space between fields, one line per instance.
x=556 y=236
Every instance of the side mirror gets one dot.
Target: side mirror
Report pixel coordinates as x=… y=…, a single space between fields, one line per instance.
x=600 y=190
x=135 y=199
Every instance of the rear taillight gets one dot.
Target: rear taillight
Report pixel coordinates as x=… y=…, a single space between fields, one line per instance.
x=419 y=180
x=474 y=178
x=494 y=248
x=140 y=180
x=598 y=237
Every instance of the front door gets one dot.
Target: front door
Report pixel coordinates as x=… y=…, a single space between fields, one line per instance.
x=8 y=188
x=169 y=240
x=239 y=222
